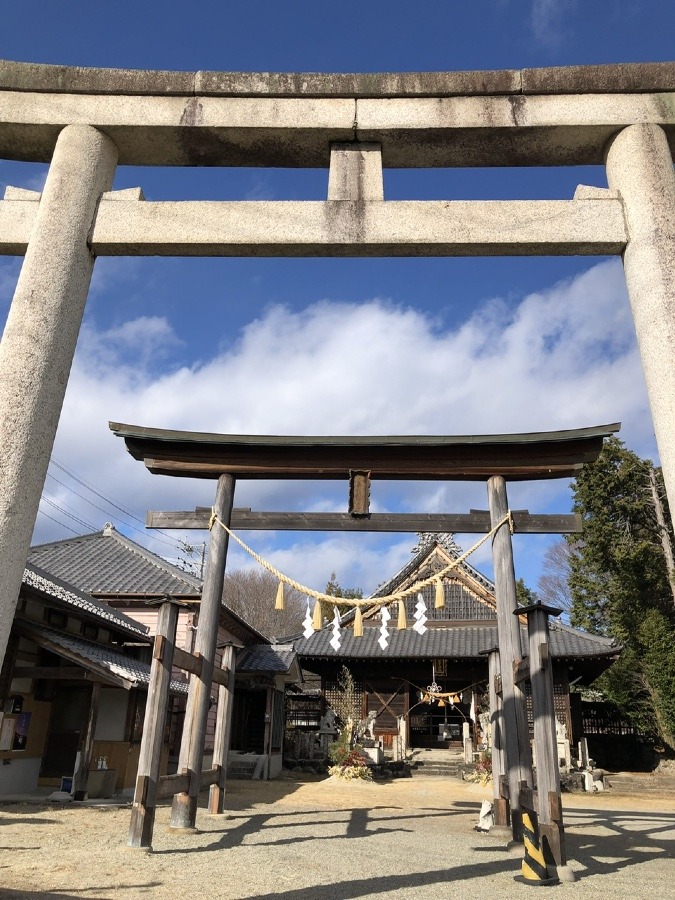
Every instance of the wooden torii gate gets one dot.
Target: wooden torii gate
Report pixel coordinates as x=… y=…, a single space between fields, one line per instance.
x=361 y=460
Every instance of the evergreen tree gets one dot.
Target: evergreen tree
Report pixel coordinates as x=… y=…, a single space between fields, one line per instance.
x=333 y=589
x=524 y=595
x=620 y=585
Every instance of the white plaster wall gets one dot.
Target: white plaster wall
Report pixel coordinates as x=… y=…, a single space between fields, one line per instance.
x=20 y=776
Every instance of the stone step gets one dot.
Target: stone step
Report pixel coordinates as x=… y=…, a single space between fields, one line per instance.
x=640 y=783
x=450 y=770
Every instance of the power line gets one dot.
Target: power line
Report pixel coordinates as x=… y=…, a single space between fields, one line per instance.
x=93 y=490
x=41 y=512
x=65 y=512
x=158 y=535
x=106 y=511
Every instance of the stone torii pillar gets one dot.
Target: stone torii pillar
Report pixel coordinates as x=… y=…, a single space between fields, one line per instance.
x=640 y=168
x=39 y=340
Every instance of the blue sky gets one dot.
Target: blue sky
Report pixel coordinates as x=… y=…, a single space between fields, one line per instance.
x=434 y=345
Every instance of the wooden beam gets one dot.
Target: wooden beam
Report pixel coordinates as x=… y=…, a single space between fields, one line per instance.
x=538 y=455
x=86 y=745
x=190 y=662
x=359 y=494
x=474 y=522
x=521 y=670
x=167 y=785
x=193 y=663
x=54 y=673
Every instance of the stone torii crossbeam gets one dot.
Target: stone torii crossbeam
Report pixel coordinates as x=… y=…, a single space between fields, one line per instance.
x=83 y=122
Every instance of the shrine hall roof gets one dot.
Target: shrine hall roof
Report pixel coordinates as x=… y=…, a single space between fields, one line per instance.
x=454 y=642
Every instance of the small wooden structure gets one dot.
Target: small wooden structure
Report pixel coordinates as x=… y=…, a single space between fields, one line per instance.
x=73 y=692
x=360 y=461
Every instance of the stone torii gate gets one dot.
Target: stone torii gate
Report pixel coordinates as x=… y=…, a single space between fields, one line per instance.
x=83 y=122
x=360 y=460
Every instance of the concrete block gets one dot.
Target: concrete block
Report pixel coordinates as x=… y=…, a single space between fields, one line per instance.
x=17 y=193
x=355 y=172
x=588 y=192
x=39 y=77
x=604 y=79
x=380 y=84
x=135 y=193
x=371 y=228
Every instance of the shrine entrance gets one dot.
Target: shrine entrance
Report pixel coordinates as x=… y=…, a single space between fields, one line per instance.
x=434 y=726
x=360 y=461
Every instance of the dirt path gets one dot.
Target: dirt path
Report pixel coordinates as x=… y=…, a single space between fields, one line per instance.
x=314 y=839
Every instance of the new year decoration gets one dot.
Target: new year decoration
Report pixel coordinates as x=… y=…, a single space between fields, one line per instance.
x=313 y=621
x=383 y=639
x=335 y=641
x=308 y=629
x=420 y=615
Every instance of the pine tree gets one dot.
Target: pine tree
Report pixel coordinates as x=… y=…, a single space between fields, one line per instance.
x=333 y=589
x=620 y=585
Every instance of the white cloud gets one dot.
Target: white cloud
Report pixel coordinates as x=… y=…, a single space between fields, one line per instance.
x=561 y=358
x=547 y=19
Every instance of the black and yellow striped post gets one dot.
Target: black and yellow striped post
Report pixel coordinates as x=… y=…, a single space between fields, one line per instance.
x=534 y=870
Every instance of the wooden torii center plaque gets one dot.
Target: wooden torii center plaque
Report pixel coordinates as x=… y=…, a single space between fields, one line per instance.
x=361 y=460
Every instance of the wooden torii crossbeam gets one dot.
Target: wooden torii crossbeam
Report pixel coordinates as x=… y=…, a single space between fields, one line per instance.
x=359 y=460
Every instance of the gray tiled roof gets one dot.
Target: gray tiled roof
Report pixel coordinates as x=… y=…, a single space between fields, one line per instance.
x=106 y=562
x=102 y=659
x=457 y=642
x=46 y=584
x=266 y=658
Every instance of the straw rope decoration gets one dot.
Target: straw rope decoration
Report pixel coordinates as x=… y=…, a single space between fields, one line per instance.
x=373 y=602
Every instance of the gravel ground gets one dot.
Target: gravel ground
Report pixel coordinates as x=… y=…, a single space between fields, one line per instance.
x=320 y=840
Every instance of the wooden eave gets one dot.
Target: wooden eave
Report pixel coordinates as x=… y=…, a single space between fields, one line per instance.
x=33 y=632
x=538 y=455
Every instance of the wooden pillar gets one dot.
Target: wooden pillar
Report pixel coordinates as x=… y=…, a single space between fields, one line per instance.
x=184 y=807
x=223 y=731
x=549 y=805
x=86 y=745
x=500 y=802
x=147 y=777
x=516 y=732
x=267 y=741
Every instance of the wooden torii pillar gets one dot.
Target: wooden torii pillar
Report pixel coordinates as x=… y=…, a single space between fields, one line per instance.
x=549 y=803
x=184 y=807
x=518 y=755
x=500 y=802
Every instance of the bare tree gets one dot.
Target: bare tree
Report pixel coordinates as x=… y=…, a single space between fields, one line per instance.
x=251 y=593
x=553 y=587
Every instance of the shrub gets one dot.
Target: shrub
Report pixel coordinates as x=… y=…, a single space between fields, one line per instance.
x=483 y=772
